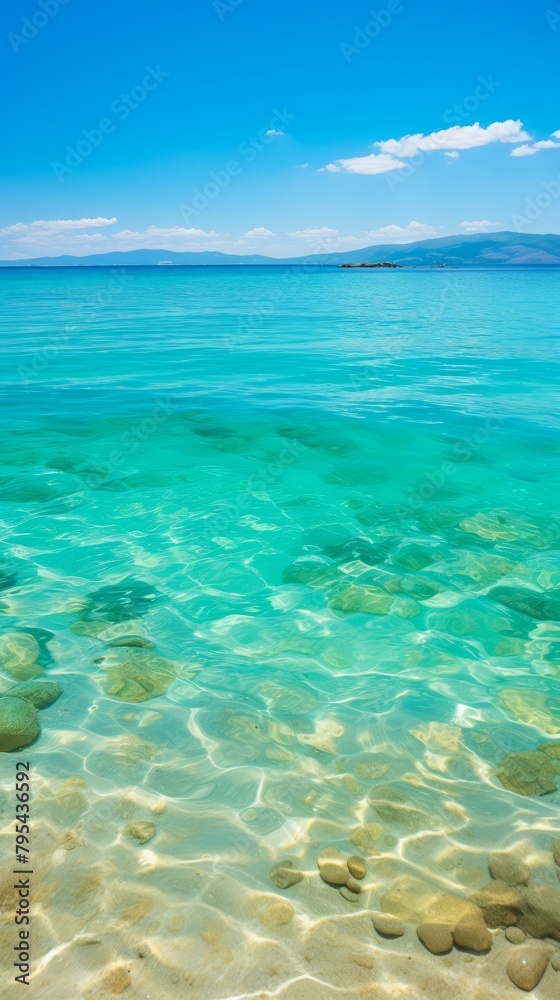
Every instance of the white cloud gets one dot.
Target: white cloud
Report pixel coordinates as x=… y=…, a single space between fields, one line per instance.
x=523 y=151
x=454 y=155
x=273 y=133
x=399 y=234
x=456 y=137
x=174 y=232
x=259 y=233
x=304 y=165
x=372 y=164
x=56 y=226
x=483 y=226
x=391 y=151
x=315 y=233
x=536 y=147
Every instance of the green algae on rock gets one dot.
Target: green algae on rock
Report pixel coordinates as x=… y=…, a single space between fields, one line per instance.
x=134 y=641
x=311 y=573
x=119 y=602
x=355 y=599
x=527 y=772
x=37 y=692
x=135 y=675
x=531 y=603
x=19 y=653
x=19 y=723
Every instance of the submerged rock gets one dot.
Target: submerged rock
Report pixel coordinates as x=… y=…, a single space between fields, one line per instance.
x=527 y=772
x=133 y=641
x=143 y=831
x=507 y=868
x=367 y=836
x=528 y=602
x=437 y=937
x=526 y=967
x=119 y=602
x=501 y=904
x=19 y=723
x=37 y=692
x=556 y=851
x=357 y=549
x=384 y=923
x=357 y=866
x=19 y=653
x=349 y=893
x=333 y=871
x=284 y=874
x=413 y=557
x=135 y=675
x=354 y=599
x=534 y=708
x=515 y=935
x=552 y=750
x=414 y=900
x=310 y=573
x=472 y=932
x=541 y=912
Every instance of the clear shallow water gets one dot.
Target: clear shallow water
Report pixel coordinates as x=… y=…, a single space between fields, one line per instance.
x=304 y=489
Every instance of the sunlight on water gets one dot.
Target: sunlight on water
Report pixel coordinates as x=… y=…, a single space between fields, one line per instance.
x=289 y=544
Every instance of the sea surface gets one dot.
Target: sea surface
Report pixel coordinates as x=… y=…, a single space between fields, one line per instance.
x=288 y=539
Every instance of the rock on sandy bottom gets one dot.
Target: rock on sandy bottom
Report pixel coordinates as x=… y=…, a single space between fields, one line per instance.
x=19 y=723
x=527 y=966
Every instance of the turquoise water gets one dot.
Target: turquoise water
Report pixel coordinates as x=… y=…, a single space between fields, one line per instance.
x=323 y=505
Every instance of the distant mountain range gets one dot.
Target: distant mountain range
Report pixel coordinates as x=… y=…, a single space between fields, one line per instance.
x=480 y=250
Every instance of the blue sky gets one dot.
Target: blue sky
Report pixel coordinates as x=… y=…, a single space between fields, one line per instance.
x=249 y=126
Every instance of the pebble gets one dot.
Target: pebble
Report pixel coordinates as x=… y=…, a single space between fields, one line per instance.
x=509 y=869
x=142 y=831
x=284 y=874
x=556 y=851
x=436 y=937
x=473 y=934
x=36 y=692
x=19 y=724
x=352 y=897
x=555 y=961
x=366 y=837
x=384 y=923
x=526 y=967
x=116 y=979
x=357 y=866
x=515 y=935
x=334 y=872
